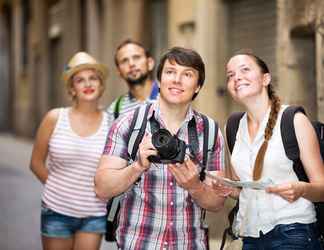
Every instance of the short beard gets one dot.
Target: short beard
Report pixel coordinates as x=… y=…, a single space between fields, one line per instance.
x=139 y=81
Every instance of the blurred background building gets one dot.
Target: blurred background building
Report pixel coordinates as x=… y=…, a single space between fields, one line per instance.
x=37 y=37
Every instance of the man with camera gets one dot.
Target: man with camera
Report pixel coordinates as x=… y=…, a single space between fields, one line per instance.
x=164 y=192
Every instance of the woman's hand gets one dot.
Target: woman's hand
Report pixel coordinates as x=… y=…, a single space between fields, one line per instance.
x=289 y=191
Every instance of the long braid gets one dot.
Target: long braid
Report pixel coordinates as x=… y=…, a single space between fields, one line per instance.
x=275 y=107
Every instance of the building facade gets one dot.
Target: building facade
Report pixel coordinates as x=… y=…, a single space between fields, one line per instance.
x=37 y=37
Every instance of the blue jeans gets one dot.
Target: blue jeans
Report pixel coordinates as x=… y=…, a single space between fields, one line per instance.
x=58 y=225
x=295 y=236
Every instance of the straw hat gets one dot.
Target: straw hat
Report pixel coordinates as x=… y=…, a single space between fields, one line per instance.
x=80 y=61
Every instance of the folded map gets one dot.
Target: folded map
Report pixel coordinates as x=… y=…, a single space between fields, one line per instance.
x=263 y=184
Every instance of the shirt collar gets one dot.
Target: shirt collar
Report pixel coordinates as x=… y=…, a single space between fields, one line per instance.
x=156 y=111
x=154 y=93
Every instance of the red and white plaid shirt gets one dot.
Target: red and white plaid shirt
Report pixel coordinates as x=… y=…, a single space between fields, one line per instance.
x=156 y=213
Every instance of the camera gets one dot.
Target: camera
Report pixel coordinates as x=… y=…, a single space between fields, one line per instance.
x=170 y=148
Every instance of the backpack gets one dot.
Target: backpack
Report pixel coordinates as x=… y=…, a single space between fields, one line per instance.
x=292 y=152
x=138 y=126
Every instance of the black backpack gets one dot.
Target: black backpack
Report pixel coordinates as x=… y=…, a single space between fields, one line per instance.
x=138 y=126
x=292 y=152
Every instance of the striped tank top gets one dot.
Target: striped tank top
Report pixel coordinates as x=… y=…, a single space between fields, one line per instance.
x=72 y=162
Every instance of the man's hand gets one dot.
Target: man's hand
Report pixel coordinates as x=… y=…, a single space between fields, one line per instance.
x=220 y=188
x=186 y=175
x=145 y=149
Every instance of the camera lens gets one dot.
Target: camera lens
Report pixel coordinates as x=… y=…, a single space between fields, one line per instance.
x=163 y=137
x=165 y=143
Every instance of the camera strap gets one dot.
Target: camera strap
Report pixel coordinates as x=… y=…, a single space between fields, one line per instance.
x=194 y=146
x=193 y=137
x=155 y=125
x=210 y=134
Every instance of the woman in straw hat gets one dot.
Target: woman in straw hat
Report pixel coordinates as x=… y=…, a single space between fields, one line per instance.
x=68 y=145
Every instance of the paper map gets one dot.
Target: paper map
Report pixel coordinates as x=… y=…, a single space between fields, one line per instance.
x=241 y=184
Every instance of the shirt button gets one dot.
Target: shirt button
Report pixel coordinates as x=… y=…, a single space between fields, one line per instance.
x=171 y=183
x=165 y=243
x=171 y=203
x=171 y=223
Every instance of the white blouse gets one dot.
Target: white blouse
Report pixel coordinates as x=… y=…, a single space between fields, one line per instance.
x=261 y=211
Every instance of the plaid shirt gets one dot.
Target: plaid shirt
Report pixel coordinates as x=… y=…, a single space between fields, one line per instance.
x=156 y=213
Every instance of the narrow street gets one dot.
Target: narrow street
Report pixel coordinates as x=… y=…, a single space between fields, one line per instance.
x=20 y=194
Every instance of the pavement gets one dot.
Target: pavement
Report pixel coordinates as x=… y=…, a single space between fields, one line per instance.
x=20 y=195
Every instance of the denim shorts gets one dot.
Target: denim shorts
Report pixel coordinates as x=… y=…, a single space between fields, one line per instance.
x=57 y=225
x=294 y=236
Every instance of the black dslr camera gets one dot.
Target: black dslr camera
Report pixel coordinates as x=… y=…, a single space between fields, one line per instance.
x=170 y=148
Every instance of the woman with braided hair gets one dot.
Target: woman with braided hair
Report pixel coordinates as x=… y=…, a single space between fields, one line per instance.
x=282 y=216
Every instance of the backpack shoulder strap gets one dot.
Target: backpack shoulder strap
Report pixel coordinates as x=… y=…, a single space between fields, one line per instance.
x=209 y=139
x=137 y=129
x=232 y=126
x=210 y=135
x=288 y=134
x=117 y=106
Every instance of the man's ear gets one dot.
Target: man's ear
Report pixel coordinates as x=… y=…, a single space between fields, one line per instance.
x=150 y=63
x=266 y=79
x=197 y=89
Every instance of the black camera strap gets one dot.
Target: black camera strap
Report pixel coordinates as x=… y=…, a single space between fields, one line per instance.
x=155 y=125
x=193 y=137
x=194 y=145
